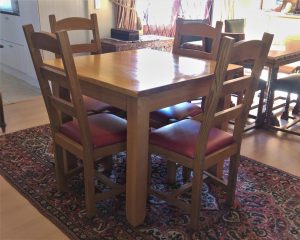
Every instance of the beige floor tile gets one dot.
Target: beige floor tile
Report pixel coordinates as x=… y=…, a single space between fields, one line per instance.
x=14 y=90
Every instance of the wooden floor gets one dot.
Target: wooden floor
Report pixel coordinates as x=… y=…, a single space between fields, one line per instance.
x=20 y=221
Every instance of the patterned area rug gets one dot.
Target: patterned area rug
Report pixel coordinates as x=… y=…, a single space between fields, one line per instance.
x=267 y=200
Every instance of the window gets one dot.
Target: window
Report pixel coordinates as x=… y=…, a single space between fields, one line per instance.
x=9 y=7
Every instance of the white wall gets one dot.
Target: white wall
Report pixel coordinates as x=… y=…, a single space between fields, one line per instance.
x=106 y=16
x=78 y=8
x=61 y=9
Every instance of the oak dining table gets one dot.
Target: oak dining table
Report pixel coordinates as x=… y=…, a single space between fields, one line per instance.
x=138 y=82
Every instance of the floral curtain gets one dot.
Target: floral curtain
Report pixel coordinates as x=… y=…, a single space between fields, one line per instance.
x=126 y=14
x=224 y=10
x=158 y=17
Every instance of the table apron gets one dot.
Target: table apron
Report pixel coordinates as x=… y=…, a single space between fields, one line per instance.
x=282 y=61
x=152 y=101
x=104 y=94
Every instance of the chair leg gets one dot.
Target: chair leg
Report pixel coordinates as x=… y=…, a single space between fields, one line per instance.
x=270 y=119
x=149 y=170
x=239 y=97
x=70 y=161
x=186 y=173
x=285 y=114
x=296 y=109
x=259 y=118
x=2 y=122
x=60 y=168
x=203 y=102
x=107 y=163
x=232 y=178
x=196 y=197
x=90 y=199
x=171 y=172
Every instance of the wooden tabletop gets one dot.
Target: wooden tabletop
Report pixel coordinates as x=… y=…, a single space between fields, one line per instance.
x=140 y=72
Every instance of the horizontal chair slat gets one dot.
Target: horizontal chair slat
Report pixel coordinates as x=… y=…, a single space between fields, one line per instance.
x=54 y=75
x=238 y=84
x=74 y=23
x=85 y=47
x=206 y=30
x=45 y=41
x=227 y=114
x=63 y=106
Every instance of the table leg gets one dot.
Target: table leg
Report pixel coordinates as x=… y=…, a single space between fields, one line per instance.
x=137 y=161
x=270 y=119
x=296 y=109
x=2 y=122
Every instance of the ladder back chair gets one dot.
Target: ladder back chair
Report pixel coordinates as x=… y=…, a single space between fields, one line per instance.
x=198 y=144
x=235 y=25
x=235 y=28
x=202 y=30
x=89 y=138
x=184 y=30
x=79 y=23
x=72 y=24
x=197 y=42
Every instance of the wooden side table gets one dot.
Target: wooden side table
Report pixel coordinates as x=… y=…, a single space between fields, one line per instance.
x=277 y=58
x=2 y=122
x=146 y=41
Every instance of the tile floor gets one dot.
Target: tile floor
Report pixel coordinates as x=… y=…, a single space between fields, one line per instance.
x=14 y=90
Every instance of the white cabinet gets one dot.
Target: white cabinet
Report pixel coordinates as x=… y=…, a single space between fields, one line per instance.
x=10 y=28
x=14 y=56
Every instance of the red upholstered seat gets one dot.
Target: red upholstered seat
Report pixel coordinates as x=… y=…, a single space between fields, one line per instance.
x=94 y=106
x=176 y=112
x=106 y=129
x=181 y=136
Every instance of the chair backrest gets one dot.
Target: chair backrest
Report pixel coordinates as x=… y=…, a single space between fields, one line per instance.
x=197 y=29
x=235 y=25
x=235 y=28
x=257 y=52
x=79 y=23
x=190 y=38
x=56 y=105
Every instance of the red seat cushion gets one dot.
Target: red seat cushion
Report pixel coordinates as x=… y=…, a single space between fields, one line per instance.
x=181 y=136
x=94 y=106
x=105 y=128
x=176 y=112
